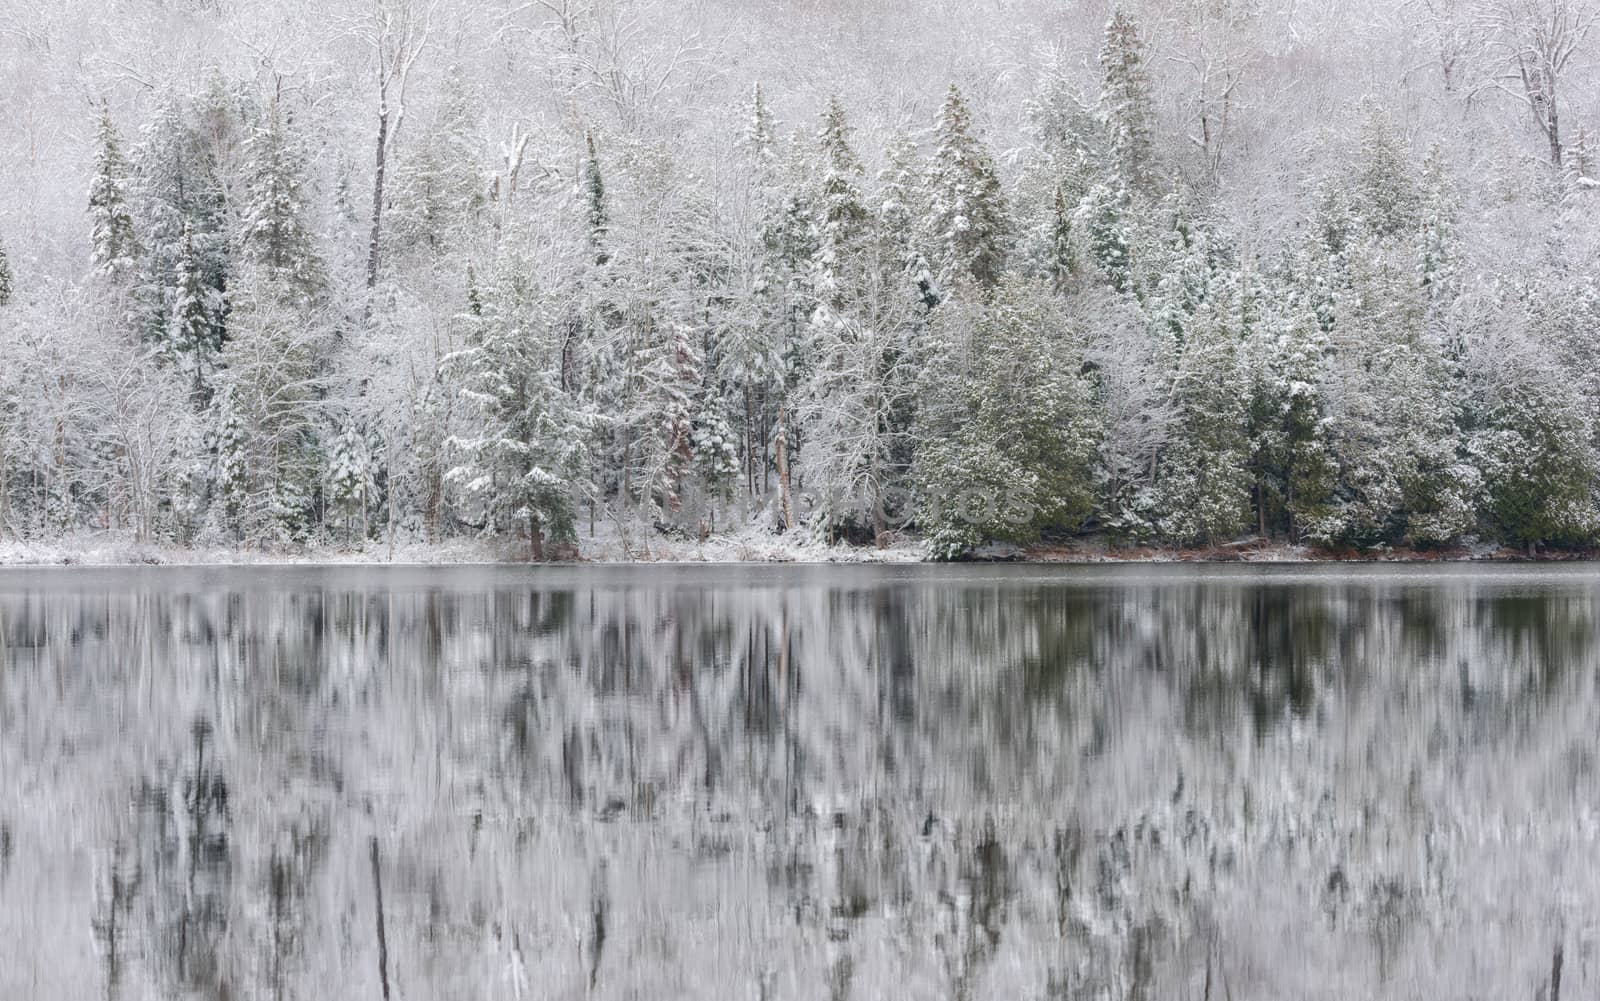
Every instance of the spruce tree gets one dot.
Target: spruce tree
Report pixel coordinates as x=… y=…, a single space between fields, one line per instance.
x=841 y=211
x=967 y=225
x=524 y=440
x=1125 y=105
x=666 y=386
x=192 y=337
x=274 y=230
x=1384 y=187
x=7 y=282
x=182 y=208
x=759 y=139
x=114 y=248
x=902 y=204
x=1009 y=427
x=596 y=212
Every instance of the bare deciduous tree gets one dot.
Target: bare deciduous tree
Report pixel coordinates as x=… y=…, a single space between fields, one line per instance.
x=1534 y=42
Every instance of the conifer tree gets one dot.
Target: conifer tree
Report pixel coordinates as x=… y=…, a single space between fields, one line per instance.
x=1009 y=432
x=841 y=212
x=274 y=230
x=7 y=281
x=596 y=213
x=193 y=338
x=967 y=224
x=667 y=382
x=902 y=204
x=1385 y=190
x=715 y=448
x=524 y=443
x=1125 y=105
x=182 y=209
x=1104 y=216
x=114 y=247
x=759 y=139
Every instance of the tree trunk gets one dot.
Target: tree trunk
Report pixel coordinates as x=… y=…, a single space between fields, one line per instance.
x=783 y=467
x=377 y=198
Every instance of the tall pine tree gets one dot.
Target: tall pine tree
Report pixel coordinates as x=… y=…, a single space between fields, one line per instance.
x=1125 y=104
x=114 y=249
x=967 y=225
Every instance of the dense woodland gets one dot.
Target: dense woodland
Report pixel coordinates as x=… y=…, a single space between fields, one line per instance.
x=1175 y=271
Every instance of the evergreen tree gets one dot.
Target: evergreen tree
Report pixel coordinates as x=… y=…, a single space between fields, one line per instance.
x=524 y=445
x=1009 y=432
x=759 y=139
x=1536 y=451
x=1125 y=105
x=1384 y=188
x=1204 y=482
x=594 y=202
x=274 y=231
x=967 y=224
x=193 y=338
x=114 y=248
x=902 y=204
x=350 y=481
x=1438 y=243
x=1105 y=217
x=232 y=476
x=716 y=448
x=183 y=211
x=7 y=282
x=841 y=212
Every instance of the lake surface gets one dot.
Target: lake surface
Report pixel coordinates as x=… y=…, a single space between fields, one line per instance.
x=800 y=782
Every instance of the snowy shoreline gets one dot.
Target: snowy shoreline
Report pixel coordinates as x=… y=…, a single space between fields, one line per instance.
x=745 y=547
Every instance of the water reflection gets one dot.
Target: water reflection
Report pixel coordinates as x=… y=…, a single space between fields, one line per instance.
x=798 y=783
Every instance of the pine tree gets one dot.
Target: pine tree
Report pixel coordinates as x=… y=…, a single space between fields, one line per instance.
x=759 y=139
x=1104 y=216
x=1385 y=190
x=967 y=223
x=594 y=202
x=716 y=448
x=1203 y=487
x=525 y=443
x=1438 y=250
x=7 y=283
x=182 y=209
x=1009 y=430
x=232 y=476
x=193 y=338
x=274 y=231
x=1062 y=263
x=841 y=212
x=350 y=482
x=114 y=247
x=1125 y=104
x=902 y=204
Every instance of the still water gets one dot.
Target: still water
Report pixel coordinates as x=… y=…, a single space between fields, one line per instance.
x=800 y=782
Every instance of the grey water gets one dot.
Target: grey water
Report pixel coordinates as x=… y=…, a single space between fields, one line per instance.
x=1143 y=782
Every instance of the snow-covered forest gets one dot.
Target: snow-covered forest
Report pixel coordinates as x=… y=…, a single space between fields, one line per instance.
x=293 y=273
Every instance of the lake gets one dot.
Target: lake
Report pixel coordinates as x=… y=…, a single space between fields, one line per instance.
x=773 y=782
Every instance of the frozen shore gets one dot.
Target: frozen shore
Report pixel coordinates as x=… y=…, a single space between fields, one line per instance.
x=747 y=546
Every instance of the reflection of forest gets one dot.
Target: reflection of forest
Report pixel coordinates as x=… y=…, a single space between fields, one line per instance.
x=800 y=784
